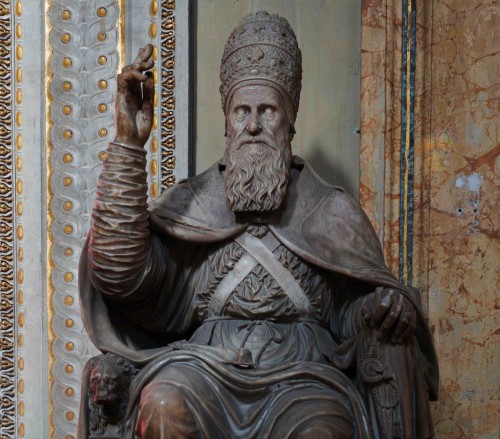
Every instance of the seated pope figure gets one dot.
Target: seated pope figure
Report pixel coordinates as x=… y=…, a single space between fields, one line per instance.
x=254 y=298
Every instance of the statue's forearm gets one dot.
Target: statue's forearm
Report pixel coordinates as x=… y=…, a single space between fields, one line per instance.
x=348 y=321
x=119 y=235
x=351 y=318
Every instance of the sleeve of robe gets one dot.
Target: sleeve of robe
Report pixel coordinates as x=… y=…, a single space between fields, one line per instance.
x=141 y=275
x=345 y=321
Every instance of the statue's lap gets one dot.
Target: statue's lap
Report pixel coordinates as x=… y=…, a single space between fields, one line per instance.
x=232 y=399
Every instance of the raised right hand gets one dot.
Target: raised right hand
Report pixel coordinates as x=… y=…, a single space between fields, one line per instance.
x=134 y=108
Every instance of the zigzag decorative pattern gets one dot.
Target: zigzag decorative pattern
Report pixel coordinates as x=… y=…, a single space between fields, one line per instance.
x=167 y=103
x=84 y=62
x=7 y=280
x=154 y=177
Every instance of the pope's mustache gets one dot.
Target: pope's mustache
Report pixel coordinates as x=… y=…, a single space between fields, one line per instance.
x=262 y=139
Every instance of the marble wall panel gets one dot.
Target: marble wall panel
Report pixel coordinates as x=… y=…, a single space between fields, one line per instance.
x=381 y=64
x=455 y=216
x=462 y=238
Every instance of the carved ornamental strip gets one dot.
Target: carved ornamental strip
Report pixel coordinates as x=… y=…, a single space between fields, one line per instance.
x=84 y=60
x=152 y=146
x=7 y=277
x=11 y=222
x=162 y=143
x=167 y=103
x=19 y=197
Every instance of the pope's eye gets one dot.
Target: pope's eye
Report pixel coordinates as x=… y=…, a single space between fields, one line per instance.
x=241 y=112
x=269 y=111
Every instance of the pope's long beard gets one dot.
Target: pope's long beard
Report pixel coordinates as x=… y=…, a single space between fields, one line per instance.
x=257 y=172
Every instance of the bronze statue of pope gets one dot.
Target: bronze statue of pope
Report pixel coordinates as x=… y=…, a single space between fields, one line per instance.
x=253 y=298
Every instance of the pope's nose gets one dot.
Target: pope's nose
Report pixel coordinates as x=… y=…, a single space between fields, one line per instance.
x=253 y=126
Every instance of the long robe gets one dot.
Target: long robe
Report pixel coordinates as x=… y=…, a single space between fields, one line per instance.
x=320 y=224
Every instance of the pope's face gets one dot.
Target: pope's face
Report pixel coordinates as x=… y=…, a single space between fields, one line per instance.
x=258 y=153
x=254 y=110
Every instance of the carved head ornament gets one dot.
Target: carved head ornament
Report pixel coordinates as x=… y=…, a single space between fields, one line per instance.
x=263 y=50
x=110 y=377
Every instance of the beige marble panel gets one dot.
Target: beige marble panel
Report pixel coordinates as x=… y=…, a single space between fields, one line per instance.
x=463 y=229
x=381 y=120
x=456 y=259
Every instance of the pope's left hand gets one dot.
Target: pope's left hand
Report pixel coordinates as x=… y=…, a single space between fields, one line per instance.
x=389 y=311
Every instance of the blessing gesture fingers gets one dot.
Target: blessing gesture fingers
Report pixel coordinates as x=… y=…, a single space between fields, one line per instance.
x=389 y=311
x=134 y=100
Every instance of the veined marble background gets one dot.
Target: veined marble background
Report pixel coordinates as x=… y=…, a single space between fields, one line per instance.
x=456 y=196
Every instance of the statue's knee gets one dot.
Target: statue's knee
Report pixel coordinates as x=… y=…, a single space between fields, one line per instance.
x=164 y=398
x=324 y=428
x=165 y=412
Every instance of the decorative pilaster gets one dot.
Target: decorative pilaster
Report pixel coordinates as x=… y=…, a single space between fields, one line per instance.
x=84 y=58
